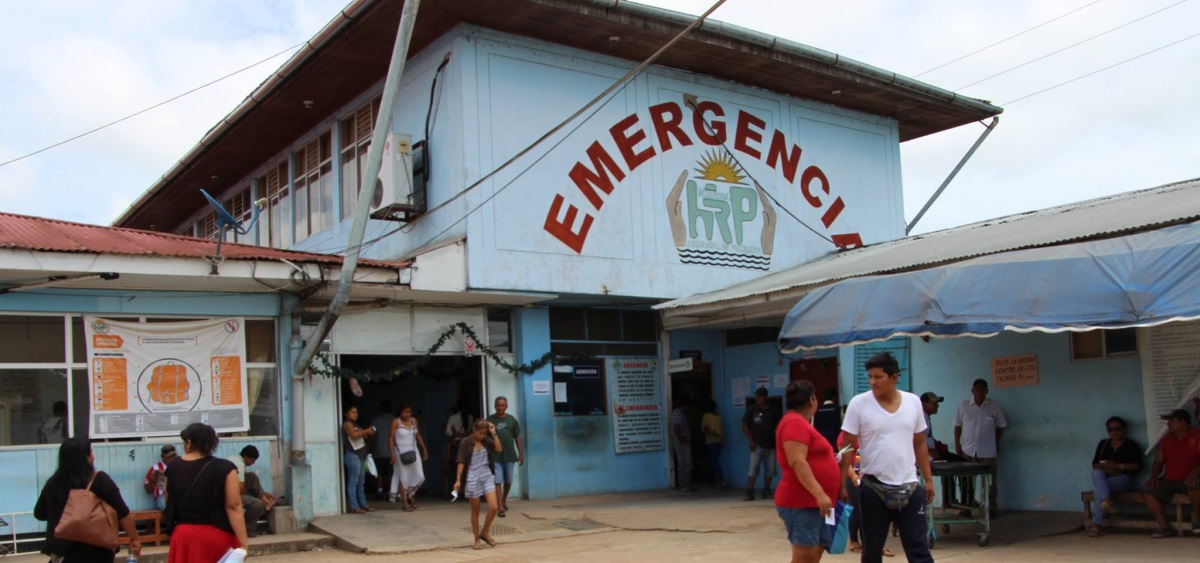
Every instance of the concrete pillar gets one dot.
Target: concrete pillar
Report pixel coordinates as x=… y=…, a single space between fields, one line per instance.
x=531 y=336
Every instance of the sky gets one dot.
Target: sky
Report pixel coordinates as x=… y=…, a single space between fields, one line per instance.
x=70 y=66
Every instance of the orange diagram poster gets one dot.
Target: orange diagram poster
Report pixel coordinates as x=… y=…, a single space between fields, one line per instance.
x=153 y=379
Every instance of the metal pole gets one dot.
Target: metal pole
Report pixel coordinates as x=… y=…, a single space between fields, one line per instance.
x=391 y=87
x=987 y=131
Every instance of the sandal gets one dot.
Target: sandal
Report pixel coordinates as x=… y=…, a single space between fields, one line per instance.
x=407 y=509
x=502 y=513
x=857 y=548
x=477 y=544
x=490 y=541
x=1094 y=531
x=888 y=553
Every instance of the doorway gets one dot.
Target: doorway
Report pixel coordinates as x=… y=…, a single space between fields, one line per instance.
x=446 y=382
x=821 y=372
x=697 y=386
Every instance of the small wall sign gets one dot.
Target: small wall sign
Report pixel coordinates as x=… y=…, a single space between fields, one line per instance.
x=1015 y=371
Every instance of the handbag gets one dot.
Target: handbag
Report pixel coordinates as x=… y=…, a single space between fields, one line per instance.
x=88 y=519
x=409 y=457
x=169 y=516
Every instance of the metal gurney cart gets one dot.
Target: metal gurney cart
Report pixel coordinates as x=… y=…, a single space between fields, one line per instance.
x=955 y=477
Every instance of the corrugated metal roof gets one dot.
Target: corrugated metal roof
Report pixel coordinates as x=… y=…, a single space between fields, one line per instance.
x=22 y=232
x=1092 y=219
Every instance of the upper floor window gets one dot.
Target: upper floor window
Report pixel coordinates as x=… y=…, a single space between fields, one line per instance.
x=206 y=227
x=275 y=224
x=1095 y=344
x=356 y=131
x=238 y=204
x=313 y=166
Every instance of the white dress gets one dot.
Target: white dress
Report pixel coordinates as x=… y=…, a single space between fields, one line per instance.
x=412 y=475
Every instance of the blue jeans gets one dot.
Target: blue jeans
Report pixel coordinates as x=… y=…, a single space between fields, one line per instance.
x=1103 y=486
x=766 y=458
x=714 y=458
x=356 y=497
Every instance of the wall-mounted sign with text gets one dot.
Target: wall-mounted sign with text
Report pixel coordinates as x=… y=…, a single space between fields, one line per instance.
x=1015 y=371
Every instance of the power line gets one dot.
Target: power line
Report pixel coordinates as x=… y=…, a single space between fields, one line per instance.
x=1027 y=96
x=619 y=84
x=1073 y=45
x=976 y=52
x=155 y=106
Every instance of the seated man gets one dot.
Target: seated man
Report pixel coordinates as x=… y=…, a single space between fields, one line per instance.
x=156 y=477
x=254 y=499
x=1178 y=463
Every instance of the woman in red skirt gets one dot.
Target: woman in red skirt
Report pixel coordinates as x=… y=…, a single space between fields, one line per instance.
x=204 y=499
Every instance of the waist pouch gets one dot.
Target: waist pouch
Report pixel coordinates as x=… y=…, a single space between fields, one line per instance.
x=894 y=496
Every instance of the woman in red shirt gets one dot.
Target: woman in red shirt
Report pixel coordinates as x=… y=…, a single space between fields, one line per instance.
x=810 y=479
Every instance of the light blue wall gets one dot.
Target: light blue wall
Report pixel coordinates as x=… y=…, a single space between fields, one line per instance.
x=24 y=472
x=111 y=302
x=1046 y=452
x=571 y=455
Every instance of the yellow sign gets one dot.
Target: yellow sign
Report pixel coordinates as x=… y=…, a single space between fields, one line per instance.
x=1015 y=371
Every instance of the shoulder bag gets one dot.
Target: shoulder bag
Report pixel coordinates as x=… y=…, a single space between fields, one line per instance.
x=88 y=519
x=170 y=516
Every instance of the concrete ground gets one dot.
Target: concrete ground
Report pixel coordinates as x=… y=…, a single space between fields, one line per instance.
x=708 y=526
x=667 y=526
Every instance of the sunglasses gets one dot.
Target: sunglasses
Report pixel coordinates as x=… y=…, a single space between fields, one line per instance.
x=1115 y=428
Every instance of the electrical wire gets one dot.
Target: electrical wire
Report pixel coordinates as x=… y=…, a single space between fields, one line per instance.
x=155 y=106
x=1081 y=77
x=1071 y=46
x=977 y=51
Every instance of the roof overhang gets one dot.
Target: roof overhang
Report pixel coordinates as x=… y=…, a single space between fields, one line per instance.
x=767 y=300
x=351 y=54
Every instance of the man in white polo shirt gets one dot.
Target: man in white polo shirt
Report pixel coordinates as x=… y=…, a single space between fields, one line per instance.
x=978 y=425
x=888 y=425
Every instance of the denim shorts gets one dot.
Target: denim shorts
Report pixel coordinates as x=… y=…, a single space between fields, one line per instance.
x=504 y=472
x=806 y=527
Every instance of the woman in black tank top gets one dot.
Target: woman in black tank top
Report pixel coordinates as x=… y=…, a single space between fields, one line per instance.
x=204 y=500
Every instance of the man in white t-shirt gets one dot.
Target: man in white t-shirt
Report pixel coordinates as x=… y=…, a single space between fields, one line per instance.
x=255 y=500
x=888 y=426
x=978 y=425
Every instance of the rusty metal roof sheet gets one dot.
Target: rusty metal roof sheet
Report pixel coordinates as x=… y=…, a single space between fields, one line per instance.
x=1104 y=217
x=22 y=232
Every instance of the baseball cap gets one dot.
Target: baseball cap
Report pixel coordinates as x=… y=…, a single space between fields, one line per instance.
x=168 y=450
x=1178 y=414
x=930 y=396
x=762 y=391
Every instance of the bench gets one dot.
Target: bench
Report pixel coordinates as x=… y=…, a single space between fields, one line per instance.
x=1135 y=497
x=154 y=532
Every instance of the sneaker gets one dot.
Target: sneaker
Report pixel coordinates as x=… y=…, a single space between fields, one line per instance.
x=749 y=496
x=1162 y=533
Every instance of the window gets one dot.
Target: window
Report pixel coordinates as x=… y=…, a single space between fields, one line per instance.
x=206 y=227
x=45 y=394
x=751 y=335
x=313 y=166
x=238 y=204
x=1095 y=344
x=275 y=227
x=499 y=336
x=603 y=332
x=356 y=131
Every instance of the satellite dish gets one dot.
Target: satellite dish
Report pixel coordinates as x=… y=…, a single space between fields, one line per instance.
x=227 y=221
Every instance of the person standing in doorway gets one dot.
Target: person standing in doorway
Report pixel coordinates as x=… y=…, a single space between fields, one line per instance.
x=354 y=451
x=888 y=427
x=681 y=445
x=978 y=425
x=409 y=473
x=381 y=450
x=759 y=424
x=828 y=418
x=512 y=454
x=714 y=434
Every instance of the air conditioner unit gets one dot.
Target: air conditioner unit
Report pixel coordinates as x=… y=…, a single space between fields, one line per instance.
x=397 y=196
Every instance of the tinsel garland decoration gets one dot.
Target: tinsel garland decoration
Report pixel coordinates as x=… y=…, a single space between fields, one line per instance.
x=422 y=365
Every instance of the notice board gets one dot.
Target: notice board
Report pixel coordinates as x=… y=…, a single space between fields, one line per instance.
x=637 y=405
x=579 y=388
x=1170 y=355
x=897 y=347
x=154 y=379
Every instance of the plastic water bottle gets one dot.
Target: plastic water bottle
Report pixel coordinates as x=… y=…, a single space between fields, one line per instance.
x=131 y=558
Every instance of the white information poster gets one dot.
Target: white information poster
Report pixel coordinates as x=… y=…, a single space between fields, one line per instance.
x=637 y=406
x=1170 y=356
x=741 y=388
x=154 y=379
